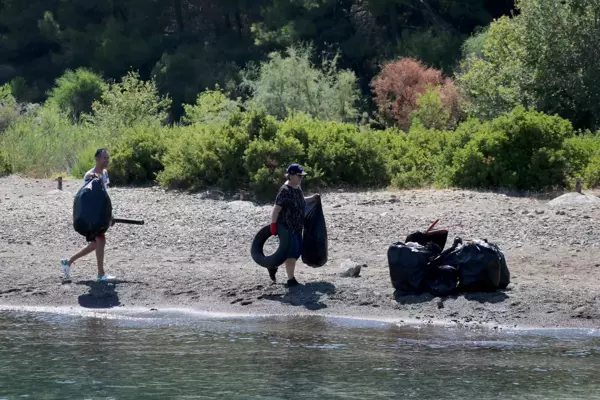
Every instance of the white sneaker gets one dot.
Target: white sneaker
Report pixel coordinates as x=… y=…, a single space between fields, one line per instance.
x=66 y=268
x=105 y=277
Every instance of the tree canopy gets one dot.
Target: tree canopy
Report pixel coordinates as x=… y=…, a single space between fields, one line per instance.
x=190 y=45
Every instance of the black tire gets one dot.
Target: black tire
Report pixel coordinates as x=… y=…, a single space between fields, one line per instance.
x=280 y=255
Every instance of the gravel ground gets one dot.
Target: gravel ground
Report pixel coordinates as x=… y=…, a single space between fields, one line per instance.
x=194 y=252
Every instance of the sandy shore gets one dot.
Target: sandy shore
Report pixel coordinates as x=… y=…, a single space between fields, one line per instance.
x=194 y=253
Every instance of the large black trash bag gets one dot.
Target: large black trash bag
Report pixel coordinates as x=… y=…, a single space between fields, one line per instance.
x=408 y=265
x=314 y=239
x=92 y=209
x=442 y=277
x=480 y=266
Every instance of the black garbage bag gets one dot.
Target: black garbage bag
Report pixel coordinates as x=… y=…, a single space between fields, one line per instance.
x=504 y=272
x=434 y=240
x=408 y=264
x=92 y=209
x=480 y=266
x=441 y=278
x=314 y=238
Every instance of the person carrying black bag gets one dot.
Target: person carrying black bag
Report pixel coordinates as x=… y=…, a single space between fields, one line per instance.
x=96 y=243
x=289 y=211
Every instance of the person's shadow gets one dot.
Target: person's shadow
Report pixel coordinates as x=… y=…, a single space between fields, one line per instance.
x=100 y=294
x=304 y=295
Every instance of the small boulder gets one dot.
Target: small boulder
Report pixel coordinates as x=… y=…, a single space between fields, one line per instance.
x=351 y=269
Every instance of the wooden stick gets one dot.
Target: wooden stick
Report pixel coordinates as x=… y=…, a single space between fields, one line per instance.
x=128 y=221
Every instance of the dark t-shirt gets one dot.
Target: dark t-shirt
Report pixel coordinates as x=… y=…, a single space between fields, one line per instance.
x=292 y=205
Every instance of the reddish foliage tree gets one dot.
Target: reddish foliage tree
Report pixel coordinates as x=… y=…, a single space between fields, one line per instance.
x=397 y=86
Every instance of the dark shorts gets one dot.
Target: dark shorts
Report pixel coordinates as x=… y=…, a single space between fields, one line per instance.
x=93 y=238
x=296 y=246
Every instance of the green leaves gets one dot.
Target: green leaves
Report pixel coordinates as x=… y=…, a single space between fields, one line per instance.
x=290 y=82
x=75 y=92
x=126 y=103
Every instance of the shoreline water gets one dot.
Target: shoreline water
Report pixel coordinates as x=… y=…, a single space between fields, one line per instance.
x=189 y=315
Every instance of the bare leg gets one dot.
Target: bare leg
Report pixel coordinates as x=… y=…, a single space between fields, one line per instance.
x=290 y=266
x=91 y=246
x=101 y=243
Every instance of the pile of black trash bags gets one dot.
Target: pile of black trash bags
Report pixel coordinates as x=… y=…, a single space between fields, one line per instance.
x=420 y=264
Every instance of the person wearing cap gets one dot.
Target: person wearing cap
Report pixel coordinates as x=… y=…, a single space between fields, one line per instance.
x=99 y=242
x=289 y=211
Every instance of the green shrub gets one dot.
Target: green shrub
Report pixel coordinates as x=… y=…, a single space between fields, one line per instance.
x=338 y=153
x=521 y=150
x=455 y=147
x=297 y=125
x=8 y=116
x=85 y=161
x=583 y=154
x=259 y=125
x=591 y=174
x=266 y=162
x=137 y=156
x=212 y=106
x=127 y=103
x=6 y=96
x=43 y=142
x=75 y=92
x=5 y=167
x=439 y=108
x=8 y=110
x=189 y=161
x=204 y=156
x=290 y=82
x=414 y=158
x=230 y=148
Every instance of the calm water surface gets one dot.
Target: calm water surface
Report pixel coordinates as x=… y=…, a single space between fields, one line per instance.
x=50 y=356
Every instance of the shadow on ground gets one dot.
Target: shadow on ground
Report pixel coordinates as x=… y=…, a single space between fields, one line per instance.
x=100 y=294
x=481 y=297
x=304 y=295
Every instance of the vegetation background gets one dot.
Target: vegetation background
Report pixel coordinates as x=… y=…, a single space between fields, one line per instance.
x=370 y=93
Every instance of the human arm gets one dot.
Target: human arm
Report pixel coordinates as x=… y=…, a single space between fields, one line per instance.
x=281 y=201
x=274 y=216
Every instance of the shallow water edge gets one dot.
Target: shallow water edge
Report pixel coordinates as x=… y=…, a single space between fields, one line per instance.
x=185 y=315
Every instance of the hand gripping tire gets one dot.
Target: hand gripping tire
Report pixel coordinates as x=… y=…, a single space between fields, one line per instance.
x=280 y=255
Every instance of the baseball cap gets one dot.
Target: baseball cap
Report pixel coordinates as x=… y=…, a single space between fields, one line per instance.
x=295 y=169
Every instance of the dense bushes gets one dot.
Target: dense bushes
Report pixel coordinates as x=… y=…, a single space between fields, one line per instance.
x=137 y=155
x=233 y=145
x=43 y=141
x=520 y=150
x=201 y=156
